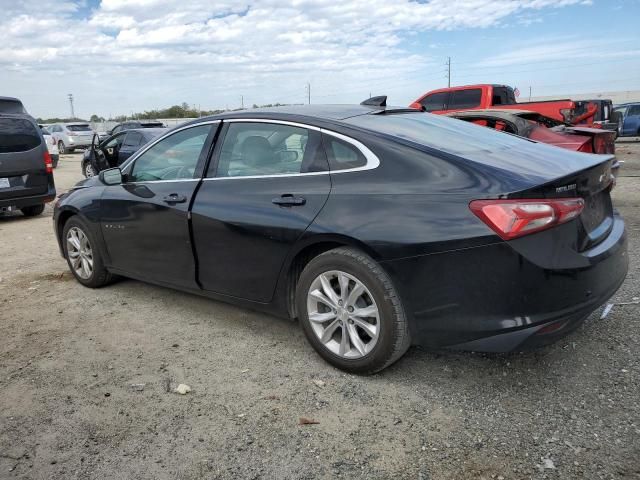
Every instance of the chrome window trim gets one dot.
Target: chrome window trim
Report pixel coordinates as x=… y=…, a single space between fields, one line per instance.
x=136 y=155
x=372 y=159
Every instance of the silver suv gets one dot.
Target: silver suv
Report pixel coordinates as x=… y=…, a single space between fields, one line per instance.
x=70 y=136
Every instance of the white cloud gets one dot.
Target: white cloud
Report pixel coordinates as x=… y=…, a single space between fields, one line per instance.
x=152 y=53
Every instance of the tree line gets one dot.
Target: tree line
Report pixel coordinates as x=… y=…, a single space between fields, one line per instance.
x=175 y=111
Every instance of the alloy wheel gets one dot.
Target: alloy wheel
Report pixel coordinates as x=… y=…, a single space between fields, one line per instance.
x=343 y=314
x=88 y=171
x=79 y=253
x=61 y=149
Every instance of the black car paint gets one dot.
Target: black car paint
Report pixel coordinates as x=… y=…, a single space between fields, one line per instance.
x=460 y=283
x=30 y=183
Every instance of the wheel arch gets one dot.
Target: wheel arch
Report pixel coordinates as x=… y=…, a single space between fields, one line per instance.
x=307 y=251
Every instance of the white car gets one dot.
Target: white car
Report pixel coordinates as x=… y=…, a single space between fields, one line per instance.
x=70 y=136
x=52 y=146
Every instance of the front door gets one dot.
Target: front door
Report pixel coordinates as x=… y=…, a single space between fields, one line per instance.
x=270 y=182
x=145 y=220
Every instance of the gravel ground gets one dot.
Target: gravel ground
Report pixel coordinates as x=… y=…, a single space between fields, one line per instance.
x=69 y=355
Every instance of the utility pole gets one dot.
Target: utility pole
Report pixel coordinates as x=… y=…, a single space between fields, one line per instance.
x=529 y=92
x=448 y=71
x=308 y=92
x=242 y=102
x=70 y=96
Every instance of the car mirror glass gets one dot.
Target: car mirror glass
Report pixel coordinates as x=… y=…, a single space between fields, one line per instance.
x=111 y=176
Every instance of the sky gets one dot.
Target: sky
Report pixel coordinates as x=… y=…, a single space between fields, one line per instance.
x=120 y=56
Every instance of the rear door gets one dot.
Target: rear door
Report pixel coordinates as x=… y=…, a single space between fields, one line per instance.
x=631 y=124
x=22 y=158
x=145 y=220
x=269 y=182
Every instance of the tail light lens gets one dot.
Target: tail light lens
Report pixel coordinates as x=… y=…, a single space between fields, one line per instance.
x=603 y=144
x=48 y=164
x=515 y=218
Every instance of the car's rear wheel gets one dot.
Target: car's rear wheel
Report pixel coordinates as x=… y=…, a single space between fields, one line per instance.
x=32 y=211
x=350 y=311
x=88 y=170
x=61 y=148
x=82 y=254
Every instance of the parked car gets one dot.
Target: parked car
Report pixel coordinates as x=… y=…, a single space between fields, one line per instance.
x=537 y=127
x=11 y=105
x=52 y=146
x=26 y=167
x=70 y=136
x=116 y=149
x=486 y=96
x=629 y=119
x=376 y=227
x=135 y=124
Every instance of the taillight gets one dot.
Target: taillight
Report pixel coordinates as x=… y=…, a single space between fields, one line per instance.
x=603 y=143
x=48 y=164
x=514 y=218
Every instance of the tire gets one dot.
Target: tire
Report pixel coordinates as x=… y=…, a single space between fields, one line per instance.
x=61 y=148
x=87 y=170
x=98 y=275
x=386 y=337
x=32 y=211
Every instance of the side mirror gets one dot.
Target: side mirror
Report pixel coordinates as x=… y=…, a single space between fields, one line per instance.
x=111 y=176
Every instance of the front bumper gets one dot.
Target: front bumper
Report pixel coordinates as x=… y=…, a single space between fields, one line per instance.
x=492 y=298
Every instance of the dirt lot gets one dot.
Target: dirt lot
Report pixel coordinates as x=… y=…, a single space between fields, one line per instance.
x=69 y=355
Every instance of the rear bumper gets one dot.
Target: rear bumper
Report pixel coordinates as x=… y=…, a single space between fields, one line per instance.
x=492 y=298
x=21 y=202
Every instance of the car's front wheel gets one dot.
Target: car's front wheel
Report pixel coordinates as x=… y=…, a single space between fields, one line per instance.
x=82 y=254
x=350 y=311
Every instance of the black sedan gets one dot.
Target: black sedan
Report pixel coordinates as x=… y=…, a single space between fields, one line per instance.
x=115 y=149
x=375 y=227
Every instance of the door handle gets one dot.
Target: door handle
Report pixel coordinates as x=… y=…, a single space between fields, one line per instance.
x=174 y=198
x=289 y=200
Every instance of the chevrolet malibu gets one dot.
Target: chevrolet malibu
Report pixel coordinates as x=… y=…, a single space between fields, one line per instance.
x=375 y=227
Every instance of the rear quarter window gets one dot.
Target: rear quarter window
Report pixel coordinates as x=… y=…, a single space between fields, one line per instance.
x=342 y=155
x=17 y=135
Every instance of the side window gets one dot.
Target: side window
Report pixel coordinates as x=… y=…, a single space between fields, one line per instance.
x=256 y=149
x=342 y=155
x=132 y=139
x=502 y=96
x=174 y=157
x=435 y=101
x=465 y=98
x=634 y=110
x=115 y=141
x=116 y=129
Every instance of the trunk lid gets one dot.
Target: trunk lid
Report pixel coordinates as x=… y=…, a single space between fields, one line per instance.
x=594 y=186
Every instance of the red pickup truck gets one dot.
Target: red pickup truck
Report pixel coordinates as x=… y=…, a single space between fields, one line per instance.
x=485 y=96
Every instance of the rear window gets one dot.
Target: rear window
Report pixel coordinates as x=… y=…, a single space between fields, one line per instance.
x=465 y=98
x=17 y=135
x=79 y=128
x=503 y=96
x=152 y=124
